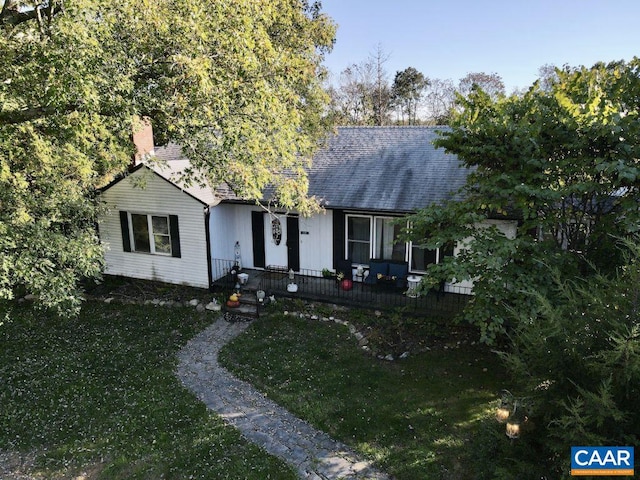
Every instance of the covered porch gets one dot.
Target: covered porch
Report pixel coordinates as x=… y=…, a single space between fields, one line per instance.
x=312 y=286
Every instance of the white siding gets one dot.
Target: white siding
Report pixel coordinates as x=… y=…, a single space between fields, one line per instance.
x=230 y=223
x=316 y=247
x=507 y=227
x=145 y=192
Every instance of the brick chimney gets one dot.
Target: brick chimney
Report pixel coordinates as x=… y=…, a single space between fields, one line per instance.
x=142 y=139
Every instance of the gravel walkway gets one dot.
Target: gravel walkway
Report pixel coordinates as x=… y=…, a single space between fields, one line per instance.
x=311 y=452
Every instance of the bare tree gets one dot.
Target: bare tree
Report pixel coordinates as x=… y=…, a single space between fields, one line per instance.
x=362 y=95
x=354 y=93
x=548 y=76
x=439 y=101
x=491 y=83
x=382 y=91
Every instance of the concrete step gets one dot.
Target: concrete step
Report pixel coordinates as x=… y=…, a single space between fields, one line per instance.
x=244 y=310
x=248 y=298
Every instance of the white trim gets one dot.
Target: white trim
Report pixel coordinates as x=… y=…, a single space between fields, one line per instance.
x=373 y=240
x=346 y=233
x=150 y=233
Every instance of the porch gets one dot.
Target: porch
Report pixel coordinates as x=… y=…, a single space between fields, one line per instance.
x=312 y=286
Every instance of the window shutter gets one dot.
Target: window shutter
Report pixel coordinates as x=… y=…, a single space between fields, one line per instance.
x=338 y=237
x=124 y=227
x=257 y=232
x=175 y=236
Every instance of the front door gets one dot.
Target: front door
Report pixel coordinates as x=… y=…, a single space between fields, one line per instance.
x=257 y=230
x=278 y=236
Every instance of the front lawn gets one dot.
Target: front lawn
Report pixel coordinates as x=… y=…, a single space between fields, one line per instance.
x=98 y=395
x=427 y=416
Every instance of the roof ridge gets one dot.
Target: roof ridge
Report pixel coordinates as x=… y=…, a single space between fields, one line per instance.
x=399 y=127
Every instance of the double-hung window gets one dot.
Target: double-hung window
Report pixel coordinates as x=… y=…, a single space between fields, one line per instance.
x=422 y=257
x=359 y=239
x=385 y=241
x=147 y=233
x=370 y=236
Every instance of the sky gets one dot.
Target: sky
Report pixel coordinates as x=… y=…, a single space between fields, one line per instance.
x=447 y=39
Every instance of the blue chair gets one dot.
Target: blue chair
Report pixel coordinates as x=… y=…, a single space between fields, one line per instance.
x=400 y=271
x=376 y=267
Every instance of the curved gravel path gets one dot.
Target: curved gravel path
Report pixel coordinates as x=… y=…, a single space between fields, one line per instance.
x=312 y=453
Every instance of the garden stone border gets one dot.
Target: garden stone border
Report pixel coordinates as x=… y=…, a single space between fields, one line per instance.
x=202 y=306
x=363 y=341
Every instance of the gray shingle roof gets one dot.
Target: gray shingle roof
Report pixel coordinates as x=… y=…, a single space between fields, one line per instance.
x=386 y=169
x=394 y=169
x=171 y=168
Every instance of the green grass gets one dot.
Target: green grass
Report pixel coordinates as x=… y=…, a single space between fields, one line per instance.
x=424 y=417
x=98 y=394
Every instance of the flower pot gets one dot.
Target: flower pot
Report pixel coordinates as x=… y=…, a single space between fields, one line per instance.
x=346 y=284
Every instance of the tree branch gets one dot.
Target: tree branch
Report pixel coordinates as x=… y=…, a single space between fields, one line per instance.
x=14 y=12
x=14 y=117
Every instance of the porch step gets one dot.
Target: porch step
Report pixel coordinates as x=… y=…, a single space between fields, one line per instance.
x=248 y=298
x=248 y=306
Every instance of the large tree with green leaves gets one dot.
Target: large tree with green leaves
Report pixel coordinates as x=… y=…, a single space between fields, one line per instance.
x=235 y=82
x=576 y=364
x=407 y=91
x=563 y=162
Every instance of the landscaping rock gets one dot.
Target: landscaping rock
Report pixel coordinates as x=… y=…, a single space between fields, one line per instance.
x=213 y=307
x=194 y=302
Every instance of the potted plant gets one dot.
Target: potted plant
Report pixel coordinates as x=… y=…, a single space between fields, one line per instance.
x=326 y=273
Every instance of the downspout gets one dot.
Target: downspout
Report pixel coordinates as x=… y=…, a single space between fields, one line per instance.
x=207 y=216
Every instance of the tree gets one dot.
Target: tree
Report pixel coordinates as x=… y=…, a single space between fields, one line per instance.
x=362 y=96
x=352 y=99
x=547 y=76
x=407 y=91
x=491 y=83
x=578 y=361
x=564 y=163
x=235 y=82
x=439 y=101
x=382 y=91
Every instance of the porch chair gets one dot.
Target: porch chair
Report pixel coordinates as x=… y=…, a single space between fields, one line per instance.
x=400 y=271
x=376 y=267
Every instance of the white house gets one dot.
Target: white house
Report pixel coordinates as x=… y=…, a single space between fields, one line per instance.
x=365 y=178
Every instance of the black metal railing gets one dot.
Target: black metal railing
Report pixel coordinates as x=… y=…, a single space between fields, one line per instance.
x=222 y=273
x=312 y=285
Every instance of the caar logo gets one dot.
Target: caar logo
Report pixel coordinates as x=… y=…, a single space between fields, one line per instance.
x=602 y=461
